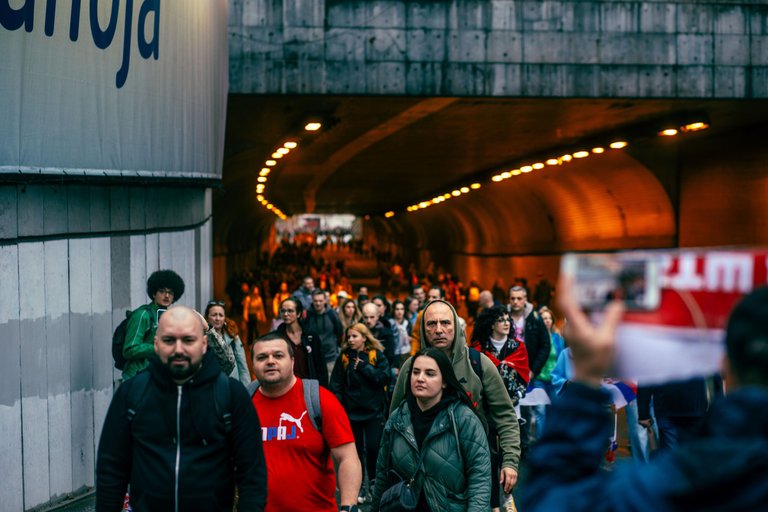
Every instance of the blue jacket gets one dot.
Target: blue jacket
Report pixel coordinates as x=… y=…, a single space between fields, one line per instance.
x=724 y=469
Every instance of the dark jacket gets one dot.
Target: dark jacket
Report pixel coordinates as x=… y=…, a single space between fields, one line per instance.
x=678 y=399
x=143 y=451
x=725 y=469
x=386 y=337
x=455 y=477
x=328 y=326
x=360 y=387
x=314 y=351
x=537 y=340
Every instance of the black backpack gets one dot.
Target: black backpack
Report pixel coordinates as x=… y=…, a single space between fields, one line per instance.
x=118 y=340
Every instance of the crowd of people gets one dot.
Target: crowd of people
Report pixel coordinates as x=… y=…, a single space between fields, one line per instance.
x=351 y=398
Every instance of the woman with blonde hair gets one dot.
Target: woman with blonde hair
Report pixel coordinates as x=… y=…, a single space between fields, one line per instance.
x=359 y=381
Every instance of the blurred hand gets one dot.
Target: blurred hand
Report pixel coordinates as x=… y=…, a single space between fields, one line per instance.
x=592 y=346
x=508 y=479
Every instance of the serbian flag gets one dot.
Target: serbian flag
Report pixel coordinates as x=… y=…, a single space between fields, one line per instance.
x=683 y=337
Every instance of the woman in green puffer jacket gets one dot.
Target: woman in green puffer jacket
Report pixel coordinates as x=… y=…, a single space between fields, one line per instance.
x=436 y=423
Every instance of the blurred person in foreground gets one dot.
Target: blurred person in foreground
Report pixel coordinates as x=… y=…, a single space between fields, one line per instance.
x=723 y=468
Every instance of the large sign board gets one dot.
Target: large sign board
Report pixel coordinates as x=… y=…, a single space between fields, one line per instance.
x=113 y=87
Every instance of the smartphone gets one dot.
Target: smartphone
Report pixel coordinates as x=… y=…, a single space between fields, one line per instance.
x=160 y=313
x=601 y=278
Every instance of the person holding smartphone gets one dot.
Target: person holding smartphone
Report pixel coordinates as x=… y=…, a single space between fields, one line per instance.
x=164 y=287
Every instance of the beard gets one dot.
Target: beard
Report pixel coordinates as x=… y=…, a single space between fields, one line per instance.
x=179 y=372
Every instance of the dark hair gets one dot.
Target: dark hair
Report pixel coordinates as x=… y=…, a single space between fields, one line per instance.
x=272 y=336
x=395 y=303
x=317 y=291
x=746 y=338
x=384 y=301
x=438 y=288
x=446 y=370
x=484 y=324
x=165 y=279
x=299 y=305
x=213 y=303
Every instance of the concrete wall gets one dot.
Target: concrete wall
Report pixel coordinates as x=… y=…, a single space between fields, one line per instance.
x=73 y=258
x=608 y=48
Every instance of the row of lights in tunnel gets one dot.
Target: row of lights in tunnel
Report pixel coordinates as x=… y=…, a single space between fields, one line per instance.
x=271 y=165
x=549 y=162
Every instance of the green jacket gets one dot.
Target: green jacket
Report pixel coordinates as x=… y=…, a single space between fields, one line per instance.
x=457 y=461
x=139 y=339
x=490 y=394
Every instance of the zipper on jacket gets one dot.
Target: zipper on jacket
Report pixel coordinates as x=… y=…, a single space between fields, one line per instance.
x=178 y=449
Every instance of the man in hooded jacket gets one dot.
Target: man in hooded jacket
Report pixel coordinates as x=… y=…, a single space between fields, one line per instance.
x=438 y=323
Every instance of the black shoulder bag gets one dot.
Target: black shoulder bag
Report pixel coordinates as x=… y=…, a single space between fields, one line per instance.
x=401 y=496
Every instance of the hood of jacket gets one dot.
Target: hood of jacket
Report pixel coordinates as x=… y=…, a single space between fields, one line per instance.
x=458 y=348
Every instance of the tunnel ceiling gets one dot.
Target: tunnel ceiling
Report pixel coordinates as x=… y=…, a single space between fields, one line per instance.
x=376 y=154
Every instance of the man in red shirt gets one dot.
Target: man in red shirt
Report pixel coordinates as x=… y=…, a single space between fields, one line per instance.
x=300 y=459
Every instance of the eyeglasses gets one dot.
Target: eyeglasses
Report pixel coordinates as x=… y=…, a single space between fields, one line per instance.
x=503 y=320
x=216 y=303
x=165 y=291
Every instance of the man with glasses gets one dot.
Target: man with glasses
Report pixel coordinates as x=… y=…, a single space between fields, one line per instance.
x=164 y=287
x=309 y=362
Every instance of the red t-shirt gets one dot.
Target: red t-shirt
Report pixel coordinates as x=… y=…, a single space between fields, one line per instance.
x=300 y=474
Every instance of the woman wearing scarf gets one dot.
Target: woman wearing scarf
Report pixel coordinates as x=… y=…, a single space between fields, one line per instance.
x=491 y=336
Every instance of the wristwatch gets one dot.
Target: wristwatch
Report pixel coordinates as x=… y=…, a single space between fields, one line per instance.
x=348 y=508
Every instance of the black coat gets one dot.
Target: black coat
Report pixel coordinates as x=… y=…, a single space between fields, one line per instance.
x=314 y=351
x=143 y=451
x=360 y=388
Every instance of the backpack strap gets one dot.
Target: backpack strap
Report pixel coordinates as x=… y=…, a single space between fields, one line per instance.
x=222 y=400
x=312 y=400
x=475 y=361
x=137 y=388
x=252 y=387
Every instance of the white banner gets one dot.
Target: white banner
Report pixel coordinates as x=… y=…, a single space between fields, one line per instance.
x=113 y=87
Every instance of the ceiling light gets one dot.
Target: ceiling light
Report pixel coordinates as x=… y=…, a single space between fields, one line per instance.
x=283 y=151
x=668 y=132
x=277 y=155
x=456 y=193
x=264 y=171
x=553 y=161
x=270 y=163
x=290 y=144
x=538 y=165
x=447 y=195
x=581 y=154
x=497 y=178
x=516 y=172
x=506 y=175
x=526 y=168
x=312 y=127
x=566 y=158
x=423 y=204
x=475 y=186
x=464 y=190
x=619 y=144
x=598 y=150
x=270 y=206
x=262 y=179
x=389 y=214
x=260 y=197
x=694 y=127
